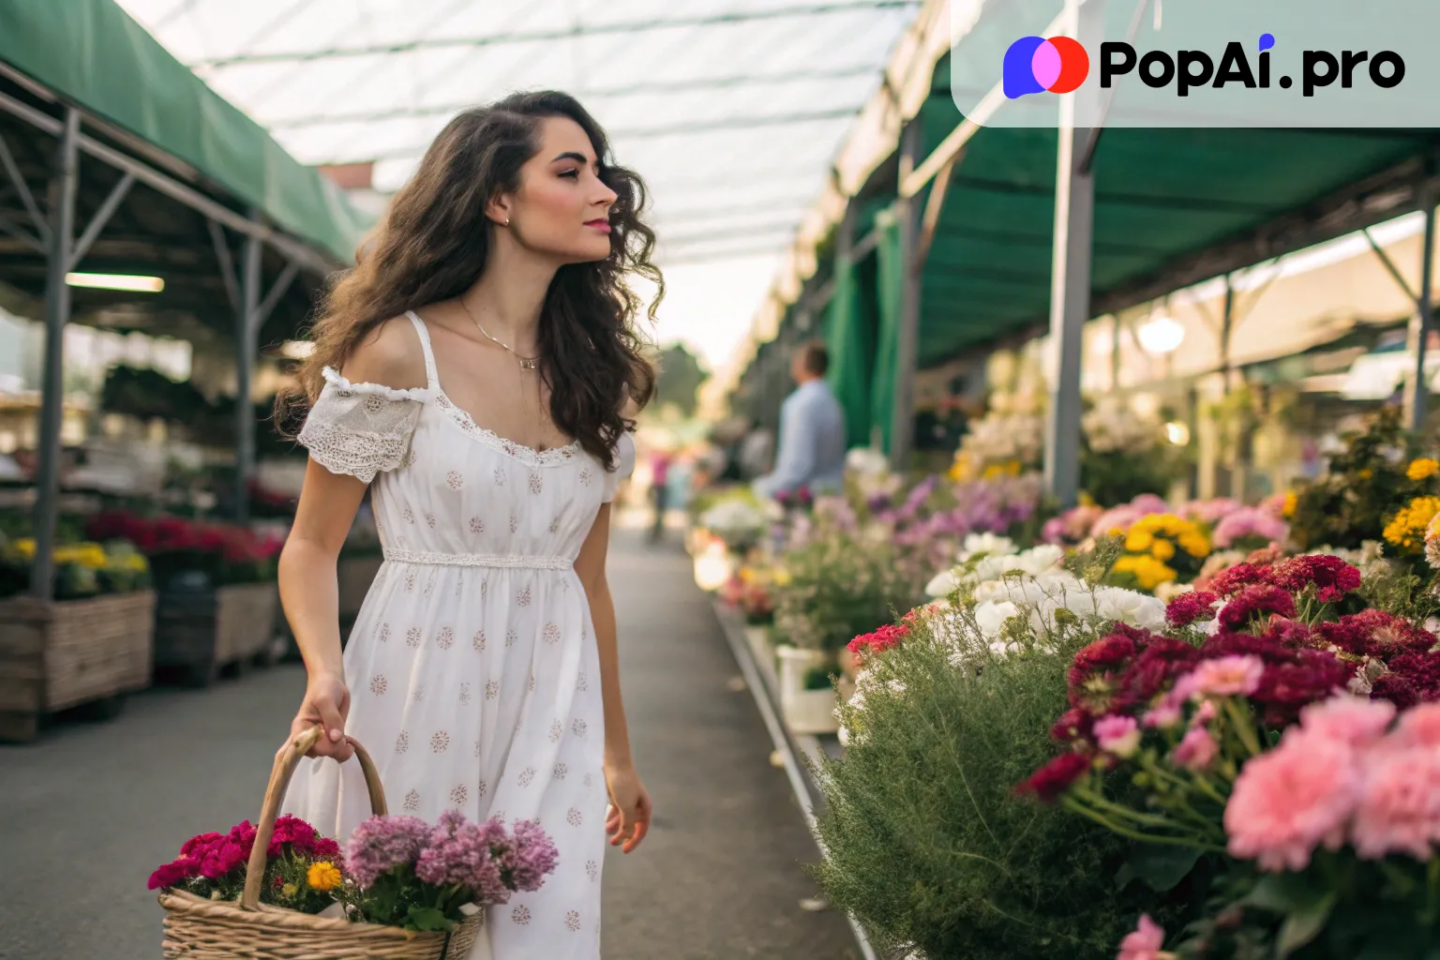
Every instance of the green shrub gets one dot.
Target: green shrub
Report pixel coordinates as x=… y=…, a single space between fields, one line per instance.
x=928 y=843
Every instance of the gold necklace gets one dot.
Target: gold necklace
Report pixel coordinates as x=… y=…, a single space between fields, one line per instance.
x=526 y=363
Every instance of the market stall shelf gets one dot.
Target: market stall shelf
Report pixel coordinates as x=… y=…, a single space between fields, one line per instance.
x=198 y=634
x=60 y=654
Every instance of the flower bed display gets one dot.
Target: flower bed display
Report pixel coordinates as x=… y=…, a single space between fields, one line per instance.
x=91 y=645
x=1174 y=730
x=218 y=601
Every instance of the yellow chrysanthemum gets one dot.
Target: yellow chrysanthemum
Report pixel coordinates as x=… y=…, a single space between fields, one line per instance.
x=1423 y=469
x=1138 y=540
x=1291 y=503
x=323 y=875
x=1195 y=543
x=1149 y=573
x=1406 y=529
x=1162 y=550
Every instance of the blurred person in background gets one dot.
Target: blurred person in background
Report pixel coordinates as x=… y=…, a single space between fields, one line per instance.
x=659 y=491
x=812 y=431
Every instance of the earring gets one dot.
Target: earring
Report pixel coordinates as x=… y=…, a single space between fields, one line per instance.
x=507 y=221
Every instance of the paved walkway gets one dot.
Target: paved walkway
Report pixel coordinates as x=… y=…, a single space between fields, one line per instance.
x=88 y=811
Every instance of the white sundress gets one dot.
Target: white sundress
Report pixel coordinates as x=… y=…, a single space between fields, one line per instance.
x=473 y=672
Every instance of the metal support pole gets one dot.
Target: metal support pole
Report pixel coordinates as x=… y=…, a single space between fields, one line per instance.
x=907 y=336
x=247 y=335
x=61 y=230
x=1070 y=272
x=1423 y=313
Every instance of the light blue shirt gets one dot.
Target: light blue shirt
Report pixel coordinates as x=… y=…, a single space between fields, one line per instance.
x=812 y=443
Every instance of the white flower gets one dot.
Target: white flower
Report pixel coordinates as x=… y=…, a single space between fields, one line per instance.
x=943 y=584
x=987 y=543
x=992 y=616
x=1129 y=606
x=867 y=461
x=733 y=515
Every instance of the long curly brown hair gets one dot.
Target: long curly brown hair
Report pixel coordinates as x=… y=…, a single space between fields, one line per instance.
x=434 y=242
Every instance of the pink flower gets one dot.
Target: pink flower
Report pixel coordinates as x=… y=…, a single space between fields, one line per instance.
x=1419 y=727
x=1351 y=720
x=1197 y=750
x=1249 y=522
x=1118 y=735
x=1166 y=713
x=1223 y=677
x=1399 y=810
x=1289 y=800
x=1144 y=943
x=1204 y=715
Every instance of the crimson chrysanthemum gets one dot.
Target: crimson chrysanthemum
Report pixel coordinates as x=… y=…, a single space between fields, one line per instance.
x=1230 y=582
x=1256 y=602
x=1190 y=607
x=1056 y=777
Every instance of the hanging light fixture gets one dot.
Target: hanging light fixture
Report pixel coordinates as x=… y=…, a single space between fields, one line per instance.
x=1161 y=334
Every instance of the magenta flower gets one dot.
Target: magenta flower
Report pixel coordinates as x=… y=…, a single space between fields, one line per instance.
x=1223 y=677
x=1144 y=942
x=1288 y=801
x=1197 y=750
x=383 y=843
x=1118 y=735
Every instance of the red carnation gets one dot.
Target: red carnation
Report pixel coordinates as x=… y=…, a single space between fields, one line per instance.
x=1230 y=582
x=174 y=873
x=1057 y=776
x=1189 y=607
x=1255 y=602
x=1158 y=665
x=1375 y=633
x=1332 y=577
x=879 y=641
x=1073 y=725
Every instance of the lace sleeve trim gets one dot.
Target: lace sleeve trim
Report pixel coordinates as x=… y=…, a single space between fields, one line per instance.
x=361 y=429
x=334 y=379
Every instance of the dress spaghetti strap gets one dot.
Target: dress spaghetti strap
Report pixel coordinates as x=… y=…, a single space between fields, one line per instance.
x=432 y=379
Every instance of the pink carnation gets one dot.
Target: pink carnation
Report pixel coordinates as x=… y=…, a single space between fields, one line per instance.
x=1291 y=799
x=1419 y=727
x=1166 y=713
x=1144 y=943
x=1399 y=810
x=1223 y=677
x=1197 y=750
x=1118 y=735
x=1248 y=523
x=1351 y=720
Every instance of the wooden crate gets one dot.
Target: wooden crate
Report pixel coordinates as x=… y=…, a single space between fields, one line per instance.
x=199 y=633
x=63 y=653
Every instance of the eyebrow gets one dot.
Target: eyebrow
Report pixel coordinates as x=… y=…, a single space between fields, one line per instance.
x=572 y=155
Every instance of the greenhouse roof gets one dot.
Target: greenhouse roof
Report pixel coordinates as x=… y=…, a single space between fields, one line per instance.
x=732 y=110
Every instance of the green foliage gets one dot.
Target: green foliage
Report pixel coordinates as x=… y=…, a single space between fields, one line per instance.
x=929 y=844
x=838 y=587
x=1364 y=488
x=681 y=374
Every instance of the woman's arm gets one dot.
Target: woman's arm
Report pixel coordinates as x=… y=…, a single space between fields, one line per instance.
x=309 y=592
x=629 y=820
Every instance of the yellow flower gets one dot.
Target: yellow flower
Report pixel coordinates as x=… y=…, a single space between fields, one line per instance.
x=1138 y=540
x=1366 y=474
x=1406 y=529
x=26 y=548
x=1162 y=550
x=289 y=890
x=1291 y=503
x=323 y=875
x=1195 y=543
x=781 y=577
x=1423 y=469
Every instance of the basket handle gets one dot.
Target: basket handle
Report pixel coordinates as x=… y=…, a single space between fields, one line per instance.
x=280 y=774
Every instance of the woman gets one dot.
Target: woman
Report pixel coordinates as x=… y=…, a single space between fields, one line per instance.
x=474 y=367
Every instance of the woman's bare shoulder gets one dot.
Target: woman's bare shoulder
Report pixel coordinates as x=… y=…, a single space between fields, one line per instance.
x=389 y=355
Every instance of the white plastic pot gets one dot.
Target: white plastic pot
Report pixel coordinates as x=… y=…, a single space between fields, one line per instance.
x=805 y=711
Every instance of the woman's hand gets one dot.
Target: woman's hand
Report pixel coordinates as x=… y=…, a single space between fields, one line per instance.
x=326 y=705
x=628 y=819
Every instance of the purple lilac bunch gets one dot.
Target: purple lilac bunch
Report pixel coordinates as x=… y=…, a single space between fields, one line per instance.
x=410 y=874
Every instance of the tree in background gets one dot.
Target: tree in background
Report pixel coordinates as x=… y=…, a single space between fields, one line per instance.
x=681 y=373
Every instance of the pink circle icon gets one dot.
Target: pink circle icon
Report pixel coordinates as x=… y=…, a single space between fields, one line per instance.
x=1046 y=65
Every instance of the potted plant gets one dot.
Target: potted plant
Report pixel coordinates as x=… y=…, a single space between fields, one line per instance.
x=89 y=645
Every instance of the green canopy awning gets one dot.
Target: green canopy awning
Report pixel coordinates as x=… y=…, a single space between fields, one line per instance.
x=93 y=53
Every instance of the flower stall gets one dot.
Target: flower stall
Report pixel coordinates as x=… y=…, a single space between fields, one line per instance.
x=218 y=600
x=90 y=645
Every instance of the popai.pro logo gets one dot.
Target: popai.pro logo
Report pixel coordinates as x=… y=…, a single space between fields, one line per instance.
x=1060 y=65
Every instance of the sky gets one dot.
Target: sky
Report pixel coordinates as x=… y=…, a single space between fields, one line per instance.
x=709 y=306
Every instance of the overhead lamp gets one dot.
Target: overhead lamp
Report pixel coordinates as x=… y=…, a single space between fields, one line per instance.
x=1177 y=433
x=1161 y=335
x=115 y=281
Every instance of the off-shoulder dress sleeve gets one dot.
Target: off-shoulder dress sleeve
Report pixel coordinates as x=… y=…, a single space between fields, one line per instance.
x=624 y=465
x=361 y=429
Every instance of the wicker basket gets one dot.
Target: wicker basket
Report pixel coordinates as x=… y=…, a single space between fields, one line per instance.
x=199 y=929
x=199 y=633
x=63 y=653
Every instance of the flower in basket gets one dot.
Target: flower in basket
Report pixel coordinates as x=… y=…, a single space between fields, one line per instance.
x=302 y=868
x=409 y=874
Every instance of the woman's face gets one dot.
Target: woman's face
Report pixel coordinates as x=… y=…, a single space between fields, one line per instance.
x=562 y=209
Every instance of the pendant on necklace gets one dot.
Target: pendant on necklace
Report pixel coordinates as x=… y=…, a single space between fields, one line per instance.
x=527 y=364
